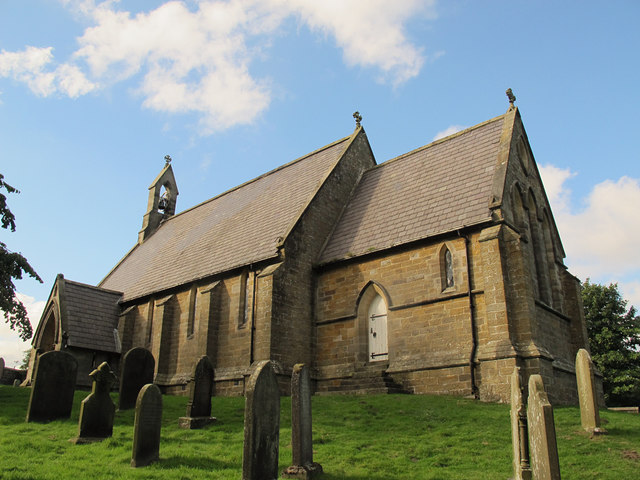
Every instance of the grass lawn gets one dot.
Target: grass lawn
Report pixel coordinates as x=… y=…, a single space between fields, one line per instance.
x=377 y=437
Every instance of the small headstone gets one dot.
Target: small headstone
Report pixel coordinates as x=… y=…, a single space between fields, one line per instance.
x=137 y=370
x=261 y=425
x=200 y=392
x=97 y=410
x=16 y=382
x=302 y=465
x=54 y=384
x=542 y=432
x=519 y=434
x=589 y=413
x=146 y=428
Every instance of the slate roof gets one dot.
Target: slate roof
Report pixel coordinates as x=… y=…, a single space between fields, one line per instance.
x=239 y=227
x=92 y=316
x=435 y=189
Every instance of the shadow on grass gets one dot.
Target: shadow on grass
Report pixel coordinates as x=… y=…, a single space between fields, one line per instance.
x=197 y=462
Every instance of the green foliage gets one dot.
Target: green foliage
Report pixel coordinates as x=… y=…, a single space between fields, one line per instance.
x=378 y=437
x=12 y=266
x=614 y=336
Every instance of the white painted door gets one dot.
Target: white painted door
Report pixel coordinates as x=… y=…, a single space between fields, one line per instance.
x=378 y=348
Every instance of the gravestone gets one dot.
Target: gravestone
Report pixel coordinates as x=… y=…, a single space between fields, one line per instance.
x=54 y=383
x=542 y=432
x=138 y=366
x=261 y=424
x=200 y=392
x=146 y=427
x=589 y=413
x=97 y=410
x=16 y=382
x=302 y=465
x=1 y=368
x=519 y=433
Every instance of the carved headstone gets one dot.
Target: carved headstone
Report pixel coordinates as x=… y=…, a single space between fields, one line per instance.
x=137 y=370
x=542 y=432
x=589 y=413
x=261 y=425
x=302 y=465
x=97 y=410
x=519 y=430
x=200 y=392
x=54 y=384
x=146 y=428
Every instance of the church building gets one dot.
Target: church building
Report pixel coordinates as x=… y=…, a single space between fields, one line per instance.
x=436 y=272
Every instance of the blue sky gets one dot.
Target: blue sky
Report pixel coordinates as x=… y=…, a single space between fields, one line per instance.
x=94 y=94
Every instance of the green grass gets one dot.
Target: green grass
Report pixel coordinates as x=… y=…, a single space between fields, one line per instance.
x=378 y=437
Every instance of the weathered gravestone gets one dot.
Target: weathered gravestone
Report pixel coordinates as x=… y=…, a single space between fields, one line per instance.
x=302 y=465
x=519 y=435
x=200 y=391
x=137 y=370
x=146 y=428
x=97 y=410
x=16 y=382
x=54 y=383
x=589 y=413
x=261 y=425
x=542 y=432
x=1 y=368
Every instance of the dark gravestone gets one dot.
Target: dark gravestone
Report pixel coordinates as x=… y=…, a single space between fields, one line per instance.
x=54 y=383
x=137 y=370
x=302 y=466
x=146 y=428
x=261 y=425
x=97 y=410
x=1 y=368
x=200 y=391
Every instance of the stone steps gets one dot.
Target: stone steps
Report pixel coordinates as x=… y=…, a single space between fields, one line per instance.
x=366 y=380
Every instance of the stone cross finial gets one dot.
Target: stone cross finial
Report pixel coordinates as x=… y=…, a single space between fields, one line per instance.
x=358 y=118
x=511 y=97
x=167 y=160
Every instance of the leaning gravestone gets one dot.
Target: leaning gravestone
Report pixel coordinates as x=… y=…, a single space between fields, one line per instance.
x=54 y=383
x=589 y=413
x=261 y=425
x=200 y=392
x=542 y=432
x=302 y=465
x=97 y=410
x=146 y=428
x=519 y=434
x=137 y=370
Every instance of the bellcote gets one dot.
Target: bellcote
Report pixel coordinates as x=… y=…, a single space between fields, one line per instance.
x=161 y=205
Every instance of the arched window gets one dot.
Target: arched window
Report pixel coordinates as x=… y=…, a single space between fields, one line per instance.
x=446 y=268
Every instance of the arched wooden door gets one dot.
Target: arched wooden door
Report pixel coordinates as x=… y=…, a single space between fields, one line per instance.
x=378 y=344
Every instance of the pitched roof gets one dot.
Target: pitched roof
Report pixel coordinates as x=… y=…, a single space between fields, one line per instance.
x=432 y=190
x=239 y=227
x=92 y=316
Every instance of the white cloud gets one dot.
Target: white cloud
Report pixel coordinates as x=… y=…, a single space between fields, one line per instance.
x=30 y=66
x=197 y=59
x=11 y=345
x=448 y=131
x=600 y=239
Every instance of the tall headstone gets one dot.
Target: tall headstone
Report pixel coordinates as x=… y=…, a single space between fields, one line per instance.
x=1 y=368
x=261 y=424
x=137 y=370
x=200 y=392
x=97 y=410
x=302 y=465
x=54 y=384
x=146 y=428
x=519 y=430
x=589 y=413
x=542 y=432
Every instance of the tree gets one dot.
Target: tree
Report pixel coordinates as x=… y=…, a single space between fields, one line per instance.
x=12 y=266
x=614 y=335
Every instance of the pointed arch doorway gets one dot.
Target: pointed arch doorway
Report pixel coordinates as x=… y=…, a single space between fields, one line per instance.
x=377 y=328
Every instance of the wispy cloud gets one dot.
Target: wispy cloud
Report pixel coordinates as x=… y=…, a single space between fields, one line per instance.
x=600 y=238
x=198 y=59
x=11 y=345
x=448 y=131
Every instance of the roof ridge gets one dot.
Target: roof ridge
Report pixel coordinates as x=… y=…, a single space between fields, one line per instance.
x=92 y=287
x=439 y=141
x=264 y=175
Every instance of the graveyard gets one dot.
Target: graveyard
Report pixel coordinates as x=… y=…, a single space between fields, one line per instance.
x=354 y=438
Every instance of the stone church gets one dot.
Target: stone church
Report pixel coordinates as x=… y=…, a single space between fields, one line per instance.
x=434 y=272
